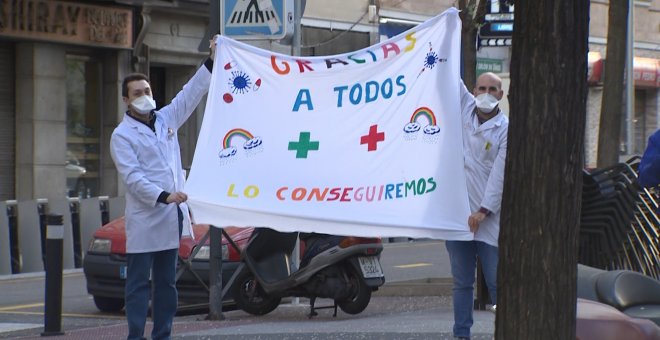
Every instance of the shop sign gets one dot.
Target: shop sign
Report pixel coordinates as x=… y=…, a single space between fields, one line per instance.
x=488 y=65
x=498 y=22
x=67 y=22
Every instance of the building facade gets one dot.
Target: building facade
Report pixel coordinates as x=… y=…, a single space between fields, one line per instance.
x=642 y=121
x=62 y=63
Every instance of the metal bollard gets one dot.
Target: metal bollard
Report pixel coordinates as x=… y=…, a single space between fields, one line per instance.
x=12 y=216
x=105 y=210
x=215 y=284
x=54 y=266
x=42 y=207
x=78 y=251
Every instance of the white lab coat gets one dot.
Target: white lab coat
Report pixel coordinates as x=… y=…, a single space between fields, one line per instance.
x=484 y=147
x=150 y=163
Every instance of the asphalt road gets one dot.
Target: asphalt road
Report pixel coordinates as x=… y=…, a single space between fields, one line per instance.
x=418 y=281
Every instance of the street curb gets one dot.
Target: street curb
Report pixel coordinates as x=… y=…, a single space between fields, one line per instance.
x=421 y=287
x=40 y=274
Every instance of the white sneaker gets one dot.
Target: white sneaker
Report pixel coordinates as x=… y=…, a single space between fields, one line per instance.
x=493 y=308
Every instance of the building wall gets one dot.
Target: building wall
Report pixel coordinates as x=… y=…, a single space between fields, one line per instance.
x=43 y=93
x=594 y=99
x=337 y=10
x=40 y=120
x=7 y=121
x=419 y=7
x=117 y=66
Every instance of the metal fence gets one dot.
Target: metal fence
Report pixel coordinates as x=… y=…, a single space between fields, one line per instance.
x=23 y=226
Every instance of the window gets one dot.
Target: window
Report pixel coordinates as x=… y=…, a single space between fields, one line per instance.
x=83 y=98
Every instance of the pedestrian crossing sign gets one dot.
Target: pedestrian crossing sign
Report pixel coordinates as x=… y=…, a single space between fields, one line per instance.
x=256 y=19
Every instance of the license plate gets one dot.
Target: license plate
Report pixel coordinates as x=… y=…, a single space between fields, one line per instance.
x=370 y=266
x=122 y=273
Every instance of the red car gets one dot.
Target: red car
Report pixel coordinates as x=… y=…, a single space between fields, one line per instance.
x=104 y=265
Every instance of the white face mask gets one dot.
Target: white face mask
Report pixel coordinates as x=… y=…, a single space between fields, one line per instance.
x=143 y=105
x=486 y=102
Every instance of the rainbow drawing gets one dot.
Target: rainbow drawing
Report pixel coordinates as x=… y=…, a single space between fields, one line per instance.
x=226 y=142
x=425 y=112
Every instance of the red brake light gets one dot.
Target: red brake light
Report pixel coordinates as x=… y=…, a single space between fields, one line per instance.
x=351 y=241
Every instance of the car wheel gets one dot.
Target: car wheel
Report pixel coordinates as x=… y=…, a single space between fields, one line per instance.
x=109 y=305
x=249 y=296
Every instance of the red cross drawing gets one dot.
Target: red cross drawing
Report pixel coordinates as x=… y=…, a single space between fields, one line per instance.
x=372 y=138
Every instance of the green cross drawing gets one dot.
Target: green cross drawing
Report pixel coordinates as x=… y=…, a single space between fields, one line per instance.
x=303 y=145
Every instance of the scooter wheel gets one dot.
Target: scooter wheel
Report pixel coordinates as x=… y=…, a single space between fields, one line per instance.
x=250 y=297
x=359 y=298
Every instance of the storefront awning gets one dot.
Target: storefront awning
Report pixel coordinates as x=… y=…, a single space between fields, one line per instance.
x=646 y=71
x=594 y=68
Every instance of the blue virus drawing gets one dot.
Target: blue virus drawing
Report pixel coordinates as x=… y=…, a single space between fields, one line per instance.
x=239 y=82
x=430 y=60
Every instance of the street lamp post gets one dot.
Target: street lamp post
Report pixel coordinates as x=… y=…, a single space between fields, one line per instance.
x=630 y=87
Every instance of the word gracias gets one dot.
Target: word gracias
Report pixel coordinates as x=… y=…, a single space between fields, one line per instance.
x=387 y=49
x=358 y=93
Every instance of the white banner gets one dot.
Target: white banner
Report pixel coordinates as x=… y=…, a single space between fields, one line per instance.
x=367 y=143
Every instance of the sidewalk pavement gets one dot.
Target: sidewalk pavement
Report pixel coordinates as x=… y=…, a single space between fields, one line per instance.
x=419 y=309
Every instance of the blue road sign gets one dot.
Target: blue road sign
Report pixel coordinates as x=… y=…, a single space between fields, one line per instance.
x=255 y=19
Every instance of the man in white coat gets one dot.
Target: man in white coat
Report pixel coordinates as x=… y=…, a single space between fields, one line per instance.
x=485 y=130
x=145 y=149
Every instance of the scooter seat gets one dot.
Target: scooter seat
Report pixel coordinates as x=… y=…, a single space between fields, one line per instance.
x=586 y=282
x=269 y=254
x=625 y=289
x=650 y=312
x=633 y=293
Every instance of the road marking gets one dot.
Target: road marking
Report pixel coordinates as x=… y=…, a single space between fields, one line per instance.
x=73 y=315
x=12 y=327
x=10 y=308
x=15 y=310
x=413 y=265
x=38 y=276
